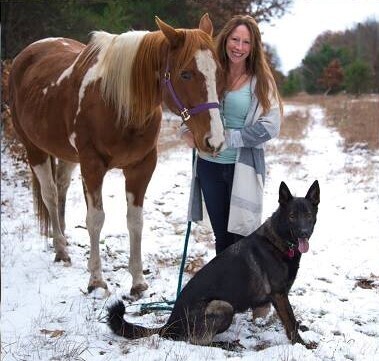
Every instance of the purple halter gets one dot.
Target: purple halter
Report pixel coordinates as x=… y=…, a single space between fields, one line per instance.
x=184 y=112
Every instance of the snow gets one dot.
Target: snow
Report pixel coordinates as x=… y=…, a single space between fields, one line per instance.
x=47 y=315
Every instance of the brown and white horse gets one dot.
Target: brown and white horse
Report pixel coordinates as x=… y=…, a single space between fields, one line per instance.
x=100 y=105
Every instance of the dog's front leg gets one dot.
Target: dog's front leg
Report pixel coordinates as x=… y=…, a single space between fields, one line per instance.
x=285 y=312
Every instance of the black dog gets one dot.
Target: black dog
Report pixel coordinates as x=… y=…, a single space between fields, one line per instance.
x=257 y=270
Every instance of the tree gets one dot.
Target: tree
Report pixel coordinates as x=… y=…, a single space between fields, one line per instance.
x=357 y=77
x=292 y=84
x=26 y=21
x=222 y=10
x=313 y=65
x=358 y=43
x=332 y=76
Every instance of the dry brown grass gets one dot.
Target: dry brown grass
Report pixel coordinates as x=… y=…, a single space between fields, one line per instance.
x=356 y=119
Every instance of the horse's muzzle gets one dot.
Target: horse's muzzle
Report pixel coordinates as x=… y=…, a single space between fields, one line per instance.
x=212 y=149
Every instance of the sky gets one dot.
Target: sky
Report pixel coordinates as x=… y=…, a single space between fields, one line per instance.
x=293 y=34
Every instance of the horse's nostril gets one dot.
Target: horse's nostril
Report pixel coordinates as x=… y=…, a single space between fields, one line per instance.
x=213 y=149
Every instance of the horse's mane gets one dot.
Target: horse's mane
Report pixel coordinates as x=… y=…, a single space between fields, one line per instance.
x=130 y=63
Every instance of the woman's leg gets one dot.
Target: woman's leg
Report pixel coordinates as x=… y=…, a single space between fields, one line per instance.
x=216 y=184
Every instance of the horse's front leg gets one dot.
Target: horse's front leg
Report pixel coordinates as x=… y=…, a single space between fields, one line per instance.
x=137 y=180
x=93 y=172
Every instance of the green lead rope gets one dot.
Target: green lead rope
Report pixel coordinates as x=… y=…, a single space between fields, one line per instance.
x=168 y=305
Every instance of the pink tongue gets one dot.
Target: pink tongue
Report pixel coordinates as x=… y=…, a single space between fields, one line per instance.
x=303 y=245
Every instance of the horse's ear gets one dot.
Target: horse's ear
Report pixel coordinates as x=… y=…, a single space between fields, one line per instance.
x=206 y=24
x=173 y=36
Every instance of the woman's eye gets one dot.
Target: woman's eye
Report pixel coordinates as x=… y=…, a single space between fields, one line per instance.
x=186 y=75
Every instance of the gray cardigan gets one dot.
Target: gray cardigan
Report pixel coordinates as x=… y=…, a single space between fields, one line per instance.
x=249 y=174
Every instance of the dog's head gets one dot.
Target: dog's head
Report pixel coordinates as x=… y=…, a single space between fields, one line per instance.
x=298 y=215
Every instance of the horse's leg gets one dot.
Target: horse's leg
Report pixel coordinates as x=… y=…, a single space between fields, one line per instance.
x=93 y=171
x=41 y=165
x=64 y=172
x=137 y=179
x=44 y=173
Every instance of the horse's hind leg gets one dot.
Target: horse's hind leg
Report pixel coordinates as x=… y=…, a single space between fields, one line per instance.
x=44 y=173
x=64 y=172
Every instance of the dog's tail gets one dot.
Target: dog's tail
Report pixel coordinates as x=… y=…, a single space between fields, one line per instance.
x=123 y=328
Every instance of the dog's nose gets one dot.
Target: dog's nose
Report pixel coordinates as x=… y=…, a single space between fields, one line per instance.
x=303 y=233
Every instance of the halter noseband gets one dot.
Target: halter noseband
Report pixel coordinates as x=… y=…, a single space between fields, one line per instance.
x=184 y=112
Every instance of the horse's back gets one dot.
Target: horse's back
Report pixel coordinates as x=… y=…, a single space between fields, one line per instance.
x=42 y=60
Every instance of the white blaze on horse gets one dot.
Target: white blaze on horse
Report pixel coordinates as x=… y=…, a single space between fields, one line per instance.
x=99 y=105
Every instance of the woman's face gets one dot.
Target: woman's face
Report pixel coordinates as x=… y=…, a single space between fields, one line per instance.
x=238 y=44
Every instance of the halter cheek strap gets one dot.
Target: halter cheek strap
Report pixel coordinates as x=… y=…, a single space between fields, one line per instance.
x=184 y=112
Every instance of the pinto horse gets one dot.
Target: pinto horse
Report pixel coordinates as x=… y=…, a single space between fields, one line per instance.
x=99 y=105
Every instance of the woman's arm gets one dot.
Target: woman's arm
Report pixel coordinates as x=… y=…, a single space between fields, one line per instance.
x=263 y=129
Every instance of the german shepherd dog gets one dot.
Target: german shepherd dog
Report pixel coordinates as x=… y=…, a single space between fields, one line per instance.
x=257 y=270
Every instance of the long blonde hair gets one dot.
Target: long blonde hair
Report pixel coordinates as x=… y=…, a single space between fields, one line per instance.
x=256 y=63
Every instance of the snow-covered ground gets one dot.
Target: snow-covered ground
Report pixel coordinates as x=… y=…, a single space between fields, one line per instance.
x=46 y=315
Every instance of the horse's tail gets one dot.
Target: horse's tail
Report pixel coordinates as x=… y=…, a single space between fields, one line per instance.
x=123 y=328
x=39 y=206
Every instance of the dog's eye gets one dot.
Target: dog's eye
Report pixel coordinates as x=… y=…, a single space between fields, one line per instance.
x=309 y=215
x=186 y=75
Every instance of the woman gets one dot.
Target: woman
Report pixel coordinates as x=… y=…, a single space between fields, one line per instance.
x=232 y=181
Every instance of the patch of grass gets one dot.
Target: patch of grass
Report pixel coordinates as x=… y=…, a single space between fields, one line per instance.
x=356 y=119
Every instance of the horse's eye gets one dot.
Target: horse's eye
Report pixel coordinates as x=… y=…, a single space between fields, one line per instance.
x=291 y=217
x=186 y=75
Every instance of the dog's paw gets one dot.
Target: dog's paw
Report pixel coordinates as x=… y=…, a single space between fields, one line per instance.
x=229 y=346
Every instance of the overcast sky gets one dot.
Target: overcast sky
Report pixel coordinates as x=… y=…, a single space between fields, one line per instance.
x=293 y=34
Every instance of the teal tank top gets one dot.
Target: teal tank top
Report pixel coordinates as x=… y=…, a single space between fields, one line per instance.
x=233 y=108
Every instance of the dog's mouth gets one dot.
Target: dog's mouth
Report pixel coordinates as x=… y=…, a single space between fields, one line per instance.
x=303 y=245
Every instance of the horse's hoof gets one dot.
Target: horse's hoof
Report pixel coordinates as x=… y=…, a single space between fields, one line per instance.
x=137 y=291
x=97 y=284
x=64 y=257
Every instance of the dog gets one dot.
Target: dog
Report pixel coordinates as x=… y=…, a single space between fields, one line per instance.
x=255 y=271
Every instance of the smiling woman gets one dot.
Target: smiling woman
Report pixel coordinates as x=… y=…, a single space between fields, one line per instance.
x=232 y=180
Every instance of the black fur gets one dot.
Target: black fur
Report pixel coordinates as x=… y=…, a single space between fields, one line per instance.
x=257 y=270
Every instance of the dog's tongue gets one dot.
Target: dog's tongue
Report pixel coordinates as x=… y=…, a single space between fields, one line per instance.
x=303 y=245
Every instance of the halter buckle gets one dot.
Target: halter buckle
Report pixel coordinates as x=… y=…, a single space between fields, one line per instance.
x=167 y=76
x=185 y=115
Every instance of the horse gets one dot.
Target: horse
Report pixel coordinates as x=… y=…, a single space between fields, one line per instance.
x=100 y=105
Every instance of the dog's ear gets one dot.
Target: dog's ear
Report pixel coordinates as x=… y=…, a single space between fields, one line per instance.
x=284 y=194
x=313 y=194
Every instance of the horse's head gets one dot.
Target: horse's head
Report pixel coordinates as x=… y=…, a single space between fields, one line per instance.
x=189 y=82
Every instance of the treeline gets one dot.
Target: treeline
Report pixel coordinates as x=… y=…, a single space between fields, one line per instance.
x=339 y=61
x=26 y=21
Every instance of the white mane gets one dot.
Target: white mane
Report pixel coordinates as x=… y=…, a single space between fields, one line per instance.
x=116 y=54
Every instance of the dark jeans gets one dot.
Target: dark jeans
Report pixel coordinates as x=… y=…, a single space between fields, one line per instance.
x=216 y=182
